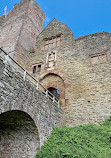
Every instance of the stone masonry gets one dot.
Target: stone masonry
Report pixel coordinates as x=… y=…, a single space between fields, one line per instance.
x=20 y=27
x=79 y=68
x=81 y=72
x=27 y=116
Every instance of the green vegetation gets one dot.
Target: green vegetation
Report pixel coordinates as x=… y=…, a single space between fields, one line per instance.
x=87 y=141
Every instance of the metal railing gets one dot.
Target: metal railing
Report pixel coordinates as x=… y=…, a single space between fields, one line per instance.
x=28 y=76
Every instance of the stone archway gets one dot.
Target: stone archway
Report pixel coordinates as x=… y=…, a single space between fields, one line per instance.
x=17 y=94
x=56 y=82
x=55 y=92
x=18 y=135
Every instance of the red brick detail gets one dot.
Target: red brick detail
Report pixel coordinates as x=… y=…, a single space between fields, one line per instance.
x=63 y=93
x=55 y=72
x=98 y=55
x=66 y=85
x=62 y=96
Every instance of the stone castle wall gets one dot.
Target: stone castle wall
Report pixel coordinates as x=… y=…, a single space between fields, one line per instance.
x=87 y=84
x=80 y=71
x=79 y=68
x=19 y=136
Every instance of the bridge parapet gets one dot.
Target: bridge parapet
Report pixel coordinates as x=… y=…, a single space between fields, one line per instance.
x=17 y=92
x=27 y=75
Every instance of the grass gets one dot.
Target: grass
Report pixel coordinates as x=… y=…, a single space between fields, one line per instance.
x=84 y=141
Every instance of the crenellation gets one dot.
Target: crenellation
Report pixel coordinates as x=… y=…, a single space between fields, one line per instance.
x=94 y=34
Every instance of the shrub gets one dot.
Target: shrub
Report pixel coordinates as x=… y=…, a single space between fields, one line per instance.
x=84 y=141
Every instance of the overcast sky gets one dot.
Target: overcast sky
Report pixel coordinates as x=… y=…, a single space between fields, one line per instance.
x=83 y=17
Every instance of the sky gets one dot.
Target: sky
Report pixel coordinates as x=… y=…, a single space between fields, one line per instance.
x=83 y=17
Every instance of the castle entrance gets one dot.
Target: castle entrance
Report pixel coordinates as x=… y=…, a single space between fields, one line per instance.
x=55 y=92
x=19 y=136
x=55 y=84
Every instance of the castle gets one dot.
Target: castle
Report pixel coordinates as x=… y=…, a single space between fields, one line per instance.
x=79 y=68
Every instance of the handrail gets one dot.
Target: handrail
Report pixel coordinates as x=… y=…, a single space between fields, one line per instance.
x=38 y=85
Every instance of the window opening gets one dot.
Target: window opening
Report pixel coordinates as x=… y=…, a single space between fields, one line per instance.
x=34 y=69
x=39 y=68
x=98 y=58
x=54 y=91
x=52 y=42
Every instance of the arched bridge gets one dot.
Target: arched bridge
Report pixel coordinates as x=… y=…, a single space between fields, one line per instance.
x=27 y=115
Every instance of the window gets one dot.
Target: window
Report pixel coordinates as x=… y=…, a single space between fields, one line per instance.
x=52 y=42
x=39 y=68
x=98 y=58
x=36 y=68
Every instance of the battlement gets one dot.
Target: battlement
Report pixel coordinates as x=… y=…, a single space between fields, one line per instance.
x=92 y=35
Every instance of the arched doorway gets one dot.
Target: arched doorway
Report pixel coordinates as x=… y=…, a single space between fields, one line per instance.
x=54 y=83
x=18 y=135
x=55 y=92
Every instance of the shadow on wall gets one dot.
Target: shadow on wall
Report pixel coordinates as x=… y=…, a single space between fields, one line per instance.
x=18 y=135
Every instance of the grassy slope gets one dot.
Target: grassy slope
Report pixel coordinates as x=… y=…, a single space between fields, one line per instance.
x=88 y=141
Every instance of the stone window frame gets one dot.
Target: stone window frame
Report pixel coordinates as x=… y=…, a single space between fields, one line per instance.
x=54 y=40
x=37 y=68
x=98 y=55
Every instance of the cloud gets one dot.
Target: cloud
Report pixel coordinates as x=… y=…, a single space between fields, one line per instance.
x=47 y=20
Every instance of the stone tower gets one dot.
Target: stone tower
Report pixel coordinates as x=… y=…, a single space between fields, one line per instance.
x=20 y=27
